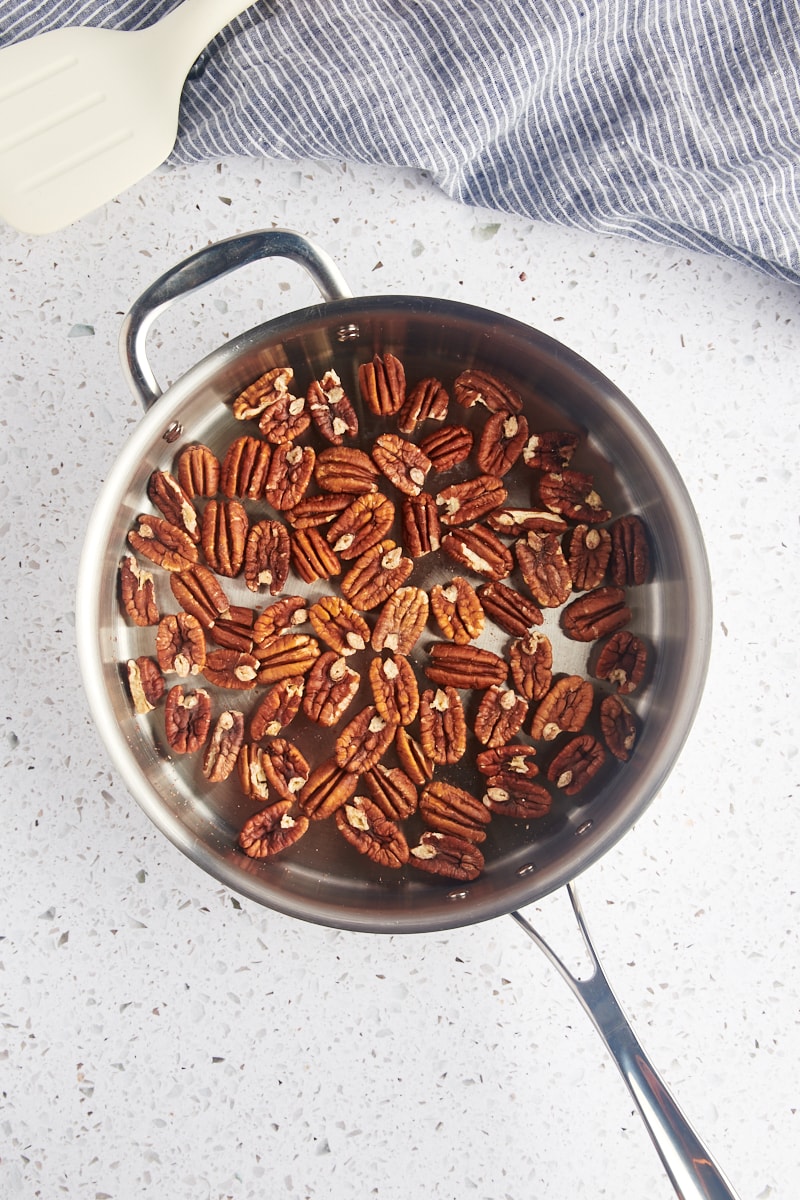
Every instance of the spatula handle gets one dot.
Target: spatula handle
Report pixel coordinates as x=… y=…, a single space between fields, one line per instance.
x=188 y=29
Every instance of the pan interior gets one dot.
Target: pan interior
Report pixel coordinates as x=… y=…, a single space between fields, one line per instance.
x=323 y=879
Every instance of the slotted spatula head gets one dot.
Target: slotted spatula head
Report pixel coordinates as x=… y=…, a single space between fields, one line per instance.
x=85 y=112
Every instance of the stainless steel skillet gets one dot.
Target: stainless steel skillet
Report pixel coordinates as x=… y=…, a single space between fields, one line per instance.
x=321 y=882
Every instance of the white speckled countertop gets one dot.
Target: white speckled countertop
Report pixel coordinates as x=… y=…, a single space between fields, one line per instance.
x=161 y=1037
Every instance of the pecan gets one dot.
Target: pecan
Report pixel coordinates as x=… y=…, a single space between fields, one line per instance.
x=420 y=525
x=234 y=630
x=312 y=557
x=271 y=830
x=145 y=683
x=501 y=442
x=383 y=384
x=285 y=768
x=331 y=410
x=285 y=655
x=330 y=688
x=181 y=644
x=427 y=401
x=250 y=769
x=446 y=808
x=618 y=727
x=576 y=763
x=173 y=503
x=338 y=624
x=327 y=788
x=551 y=450
x=403 y=463
x=463 y=503
x=268 y=389
x=317 y=510
x=480 y=387
x=623 y=661
x=595 y=614
x=447 y=447
x=457 y=610
x=199 y=592
x=572 y=494
x=544 y=568
x=394 y=689
x=244 y=468
x=514 y=521
x=401 y=620
x=187 y=719
x=442 y=725
x=222 y=749
x=277 y=708
x=223 y=535
x=364 y=826
x=345 y=469
x=517 y=797
x=137 y=592
x=163 y=543
x=531 y=660
x=630 y=552
x=366 y=520
x=564 y=709
x=392 y=790
x=413 y=759
x=198 y=471
x=364 y=740
x=514 y=758
x=451 y=857
x=589 y=551
x=289 y=475
x=480 y=550
x=375 y=575
x=465 y=666
x=500 y=715
x=284 y=616
x=267 y=552
x=285 y=420
x=234 y=669
x=507 y=608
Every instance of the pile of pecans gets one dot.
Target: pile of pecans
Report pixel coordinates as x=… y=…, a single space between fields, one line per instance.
x=339 y=534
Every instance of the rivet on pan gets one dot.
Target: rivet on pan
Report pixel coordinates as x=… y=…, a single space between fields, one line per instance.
x=457 y=895
x=584 y=828
x=172 y=432
x=347 y=333
x=526 y=870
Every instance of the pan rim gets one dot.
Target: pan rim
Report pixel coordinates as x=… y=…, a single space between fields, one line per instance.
x=594 y=843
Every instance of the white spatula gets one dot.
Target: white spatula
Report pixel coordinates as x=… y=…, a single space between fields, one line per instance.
x=85 y=113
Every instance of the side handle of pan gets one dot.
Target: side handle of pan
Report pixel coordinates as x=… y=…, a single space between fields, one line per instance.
x=690 y=1168
x=202 y=268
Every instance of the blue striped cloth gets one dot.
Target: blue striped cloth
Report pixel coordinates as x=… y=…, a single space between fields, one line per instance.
x=676 y=121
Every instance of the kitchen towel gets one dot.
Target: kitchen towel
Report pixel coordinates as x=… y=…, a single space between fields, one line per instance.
x=675 y=121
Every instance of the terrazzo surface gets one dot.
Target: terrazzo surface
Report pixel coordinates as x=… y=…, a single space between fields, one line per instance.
x=161 y=1036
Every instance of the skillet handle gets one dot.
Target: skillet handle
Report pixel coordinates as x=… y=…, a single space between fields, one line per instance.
x=203 y=267
x=690 y=1168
